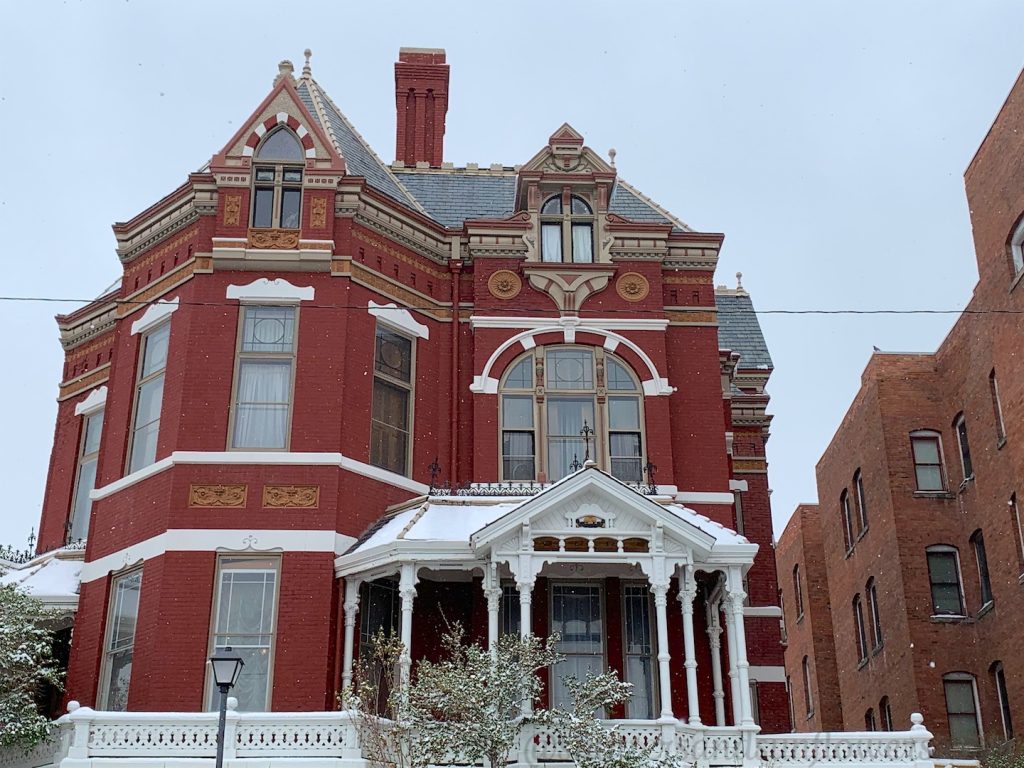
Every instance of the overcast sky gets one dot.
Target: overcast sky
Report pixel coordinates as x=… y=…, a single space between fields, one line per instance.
x=827 y=140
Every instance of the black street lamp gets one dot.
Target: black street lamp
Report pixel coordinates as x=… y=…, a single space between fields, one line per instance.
x=227 y=666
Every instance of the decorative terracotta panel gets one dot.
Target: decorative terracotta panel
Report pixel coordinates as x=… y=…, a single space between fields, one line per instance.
x=318 y=213
x=276 y=239
x=504 y=284
x=216 y=495
x=232 y=209
x=291 y=496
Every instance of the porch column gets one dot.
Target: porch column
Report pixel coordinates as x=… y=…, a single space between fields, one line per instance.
x=734 y=601
x=407 y=593
x=734 y=681
x=525 y=624
x=492 y=591
x=351 y=607
x=687 y=594
x=661 y=619
x=715 y=641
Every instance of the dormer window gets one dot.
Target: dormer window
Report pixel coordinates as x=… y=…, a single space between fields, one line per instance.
x=277 y=187
x=567 y=231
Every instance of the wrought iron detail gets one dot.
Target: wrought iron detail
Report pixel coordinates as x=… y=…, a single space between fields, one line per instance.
x=491 y=489
x=586 y=433
x=649 y=470
x=574 y=465
x=435 y=470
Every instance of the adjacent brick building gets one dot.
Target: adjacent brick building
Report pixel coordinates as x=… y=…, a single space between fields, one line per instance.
x=324 y=385
x=921 y=542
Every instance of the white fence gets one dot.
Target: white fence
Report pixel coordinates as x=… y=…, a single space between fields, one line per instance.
x=86 y=738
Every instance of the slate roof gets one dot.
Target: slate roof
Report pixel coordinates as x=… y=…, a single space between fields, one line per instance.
x=739 y=330
x=452 y=197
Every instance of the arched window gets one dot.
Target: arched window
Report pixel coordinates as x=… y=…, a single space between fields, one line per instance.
x=798 y=592
x=567 y=231
x=984 y=582
x=277 y=181
x=926 y=448
x=563 y=405
x=874 y=613
x=962 y=709
x=869 y=720
x=862 y=505
x=847 y=519
x=885 y=713
x=860 y=630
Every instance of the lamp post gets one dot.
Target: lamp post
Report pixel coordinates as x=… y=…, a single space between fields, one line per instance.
x=227 y=666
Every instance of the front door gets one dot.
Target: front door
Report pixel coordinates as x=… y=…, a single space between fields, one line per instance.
x=577 y=616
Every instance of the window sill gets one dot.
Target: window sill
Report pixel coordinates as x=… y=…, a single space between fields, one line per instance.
x=810 y=715
x=1000 y=443
x=965 y=484
x=949 y=619
x=877 y=649
x=986 y=608
x=862 y=663
x=862 y=534
x=848 y=553
x=800 y=618
x=1016 y=280
x=933 y=495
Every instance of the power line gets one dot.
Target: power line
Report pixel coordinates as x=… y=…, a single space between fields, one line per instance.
x=528 y=310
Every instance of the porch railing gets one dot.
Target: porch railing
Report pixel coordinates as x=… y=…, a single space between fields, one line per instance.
x=85 y=735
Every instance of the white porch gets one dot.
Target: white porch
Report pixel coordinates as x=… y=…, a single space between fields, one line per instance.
x=572 y=534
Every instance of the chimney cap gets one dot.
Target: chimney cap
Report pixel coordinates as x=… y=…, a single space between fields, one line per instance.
x=421 y=56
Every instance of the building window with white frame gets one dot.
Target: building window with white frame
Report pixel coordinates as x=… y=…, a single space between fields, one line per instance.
x=638 y=648
x=960 y=426
x=567 y=230
x=510 y=623
x=577 y=616
x=981 y=558
x=149 y=396
x=861 y=634
x=1017 y=249
x=962 y=710
x=871 y=590
x=391 y=414
x=277 y=181
x=798 y=593
x=245 y=616
x=808 y=700
x=563 y=405
x=927 y=453
x=120 y=641
x=862 y=505
x=885 y=713
x=847 y=520
x=997 y=408
x=264 y=376
x=1003 y=698
x=944 y=577
x=85 y=475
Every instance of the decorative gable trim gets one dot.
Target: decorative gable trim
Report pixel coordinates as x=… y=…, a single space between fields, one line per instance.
x=154 y=315
x=281 y=118
x=398 y=318
x=94 y=402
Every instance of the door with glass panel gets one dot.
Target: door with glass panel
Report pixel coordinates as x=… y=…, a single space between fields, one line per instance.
x=577 y=615
x=638 y=649
x=244 y=621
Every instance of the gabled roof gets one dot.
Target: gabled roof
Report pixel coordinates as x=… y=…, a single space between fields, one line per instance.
x=739 y=329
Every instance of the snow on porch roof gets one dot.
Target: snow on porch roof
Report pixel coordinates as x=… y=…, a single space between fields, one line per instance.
x=52 y=578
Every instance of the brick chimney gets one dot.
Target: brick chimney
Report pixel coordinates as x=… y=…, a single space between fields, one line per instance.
x=421 y=99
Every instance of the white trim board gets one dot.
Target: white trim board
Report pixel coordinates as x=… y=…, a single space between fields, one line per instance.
x=153 y=315
x=217 y=540
x=767 y=674
x=94 y=402
x=398 y=318
x=260 y=457
x=583 y=323
x=277 y=290
x=762 y=612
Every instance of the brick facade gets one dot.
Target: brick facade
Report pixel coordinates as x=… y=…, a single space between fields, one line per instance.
x=902 y=394
x=364 y=241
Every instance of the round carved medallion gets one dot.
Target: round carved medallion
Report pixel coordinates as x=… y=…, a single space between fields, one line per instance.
x=633 y=286
x=504 y=284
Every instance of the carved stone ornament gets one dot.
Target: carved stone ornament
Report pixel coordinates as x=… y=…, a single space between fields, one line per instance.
x=504 y=284
x=232 y=210
x=633 y=286
x=568 y=287
x=291 y=496
x=318 y=213
x=216 y=496
x=277 y=239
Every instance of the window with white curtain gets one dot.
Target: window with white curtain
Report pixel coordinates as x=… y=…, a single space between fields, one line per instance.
x=244 y=620
x=638 y=648
x=567 y=230
x=577 y=616
x=277 y=181
x=263 y=378
x=391 y=413
x=149 y=396
x=561 y=406
x=85 y=476
x=120 y=641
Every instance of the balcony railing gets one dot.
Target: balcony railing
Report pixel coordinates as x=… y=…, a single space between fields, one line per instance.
x=90 y=739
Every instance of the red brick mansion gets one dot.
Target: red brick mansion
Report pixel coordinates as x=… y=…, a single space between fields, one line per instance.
x=330 y=394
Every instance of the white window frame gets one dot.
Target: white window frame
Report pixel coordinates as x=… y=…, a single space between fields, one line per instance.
x=142 y=380
x=651 y=656
x=242 y=356
x=233 y=565
x=103 y=694
x=409 y=386
x=960 y=677
x=1017 y=249
x=83 y=458
x=929 y=434
x=946 y=548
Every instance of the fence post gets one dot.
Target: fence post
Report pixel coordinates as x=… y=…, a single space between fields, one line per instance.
x=921 y=737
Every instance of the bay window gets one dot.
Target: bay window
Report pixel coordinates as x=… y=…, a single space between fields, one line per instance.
x=561 y=406
x=264 y=374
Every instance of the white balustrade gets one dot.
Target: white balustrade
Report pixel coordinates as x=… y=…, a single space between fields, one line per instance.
x=46 y=753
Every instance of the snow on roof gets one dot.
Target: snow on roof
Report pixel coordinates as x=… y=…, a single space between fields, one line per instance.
x=721 y=534
x=52 y=578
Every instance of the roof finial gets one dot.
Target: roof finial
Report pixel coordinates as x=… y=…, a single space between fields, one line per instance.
x=306 y=71
x=611 y=156
x=739 y=281
x=284 y=69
